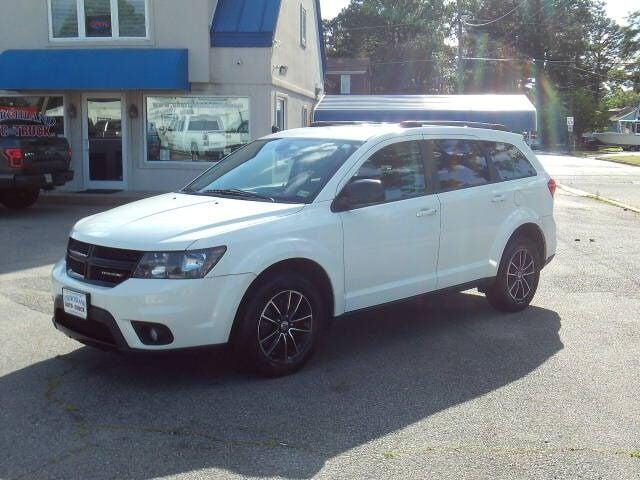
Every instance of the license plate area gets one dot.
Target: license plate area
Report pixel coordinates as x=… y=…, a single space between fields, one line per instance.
x=48 y=177
x=75 y=303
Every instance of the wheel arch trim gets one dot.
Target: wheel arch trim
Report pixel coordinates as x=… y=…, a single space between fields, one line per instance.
x=519 y=223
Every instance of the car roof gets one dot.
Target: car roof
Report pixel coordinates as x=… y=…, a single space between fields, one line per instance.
x=369 y=131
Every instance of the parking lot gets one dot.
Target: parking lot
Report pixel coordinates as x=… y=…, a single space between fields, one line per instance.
x=443 y=387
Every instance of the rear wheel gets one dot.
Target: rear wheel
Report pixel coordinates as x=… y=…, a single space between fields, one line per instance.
x=195 y=154
x=19 y=198
x=280 y=325
x=518 y=275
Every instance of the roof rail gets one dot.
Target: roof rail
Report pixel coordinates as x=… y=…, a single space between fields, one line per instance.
x=448 y=123
x=332 y=123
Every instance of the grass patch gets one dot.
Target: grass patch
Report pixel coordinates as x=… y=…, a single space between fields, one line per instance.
x=594 y=153
x=635 y=454
x=391 y=455
x=627 y=159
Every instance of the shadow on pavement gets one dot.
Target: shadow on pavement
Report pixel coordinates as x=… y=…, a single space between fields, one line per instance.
x=94 y=415
x=38 y=235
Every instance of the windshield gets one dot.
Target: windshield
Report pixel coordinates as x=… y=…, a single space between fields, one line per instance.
x=292 y=170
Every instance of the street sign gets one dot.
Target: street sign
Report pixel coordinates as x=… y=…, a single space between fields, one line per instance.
x=570 y=128
x=569 y=121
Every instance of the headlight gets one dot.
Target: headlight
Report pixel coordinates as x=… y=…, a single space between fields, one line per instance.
x=178 y=265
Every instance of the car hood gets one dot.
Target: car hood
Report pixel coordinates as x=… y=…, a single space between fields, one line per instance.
x=174 y=221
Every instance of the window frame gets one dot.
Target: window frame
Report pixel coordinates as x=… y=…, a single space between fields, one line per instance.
x=428 y=180
x=115 y=24
x=494 y=170
x=284 y=100
x=181 y=164
x=433 y=169
x=303 y=26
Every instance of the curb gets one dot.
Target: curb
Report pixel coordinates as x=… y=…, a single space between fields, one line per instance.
x=582 y=193
x=612 y=160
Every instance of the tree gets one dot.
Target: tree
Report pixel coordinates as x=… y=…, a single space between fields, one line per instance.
x=566 y=55
x=631 y=50
x=405 y=40
x=561 y=51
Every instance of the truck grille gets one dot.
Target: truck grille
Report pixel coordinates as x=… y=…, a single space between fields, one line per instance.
x=100 y=265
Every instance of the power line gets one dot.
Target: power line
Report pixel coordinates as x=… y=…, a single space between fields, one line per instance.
x=496 y=19
x=374 y=27
x=485 y=23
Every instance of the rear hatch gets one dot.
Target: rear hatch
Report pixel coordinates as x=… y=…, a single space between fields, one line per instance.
x=41 y=154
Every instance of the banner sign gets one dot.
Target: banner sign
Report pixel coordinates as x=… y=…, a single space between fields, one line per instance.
x=36 y=124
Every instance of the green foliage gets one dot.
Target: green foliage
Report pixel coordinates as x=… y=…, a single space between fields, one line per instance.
x=631 y=50
x=405 y=39
x=567 y=55
x=619 y=98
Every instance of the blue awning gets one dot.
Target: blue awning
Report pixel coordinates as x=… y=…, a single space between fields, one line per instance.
x=245 y=23
x=95 y=69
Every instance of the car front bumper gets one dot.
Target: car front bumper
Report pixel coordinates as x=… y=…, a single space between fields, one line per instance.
x=198 y=312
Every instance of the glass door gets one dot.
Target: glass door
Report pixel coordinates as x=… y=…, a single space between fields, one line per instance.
x=104 y=145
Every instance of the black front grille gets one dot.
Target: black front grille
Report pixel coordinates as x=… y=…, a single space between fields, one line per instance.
x=101 y=265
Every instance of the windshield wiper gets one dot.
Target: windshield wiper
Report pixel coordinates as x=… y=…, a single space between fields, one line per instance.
x=236 y=192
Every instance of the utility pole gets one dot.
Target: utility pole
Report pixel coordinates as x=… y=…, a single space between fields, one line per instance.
x=460 y=50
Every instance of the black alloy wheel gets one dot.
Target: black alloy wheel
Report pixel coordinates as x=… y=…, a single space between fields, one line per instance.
x=280 y=324
x=518 y=275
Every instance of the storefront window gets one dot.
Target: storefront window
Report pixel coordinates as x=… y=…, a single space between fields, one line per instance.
x=31 y=117
x=90 y=19
x=195 y=129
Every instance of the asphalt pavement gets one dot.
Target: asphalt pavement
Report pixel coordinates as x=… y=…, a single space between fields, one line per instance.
x=439 y=388
x=612 y=180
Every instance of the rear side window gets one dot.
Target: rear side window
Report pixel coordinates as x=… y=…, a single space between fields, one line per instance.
x=509 y=161
x=460 y=164
x=400 y=169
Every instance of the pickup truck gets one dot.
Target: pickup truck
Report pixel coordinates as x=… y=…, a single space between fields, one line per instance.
x=30 y=160
x=201 y=136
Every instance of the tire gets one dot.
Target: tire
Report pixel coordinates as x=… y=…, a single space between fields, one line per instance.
x=18 y=199
x=280 y=325
x=518 y=275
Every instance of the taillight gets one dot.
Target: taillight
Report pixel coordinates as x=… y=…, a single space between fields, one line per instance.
x=552 y=186
x=15 y=156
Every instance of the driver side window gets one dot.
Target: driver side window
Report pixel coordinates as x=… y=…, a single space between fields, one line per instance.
x=400 y=169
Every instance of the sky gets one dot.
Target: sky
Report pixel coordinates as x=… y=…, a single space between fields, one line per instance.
x=618 y=9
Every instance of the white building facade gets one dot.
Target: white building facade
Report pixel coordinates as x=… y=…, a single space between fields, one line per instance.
x=151 y=92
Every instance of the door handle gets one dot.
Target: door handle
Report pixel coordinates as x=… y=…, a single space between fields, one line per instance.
x=498 y=198
x=427 y=212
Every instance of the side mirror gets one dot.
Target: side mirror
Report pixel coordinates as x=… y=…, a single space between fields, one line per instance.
x=359 y=193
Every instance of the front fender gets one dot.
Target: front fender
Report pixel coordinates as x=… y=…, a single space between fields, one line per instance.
x=314 y=234
x=330 y=260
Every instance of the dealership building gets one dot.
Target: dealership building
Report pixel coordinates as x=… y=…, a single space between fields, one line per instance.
x=151 y=92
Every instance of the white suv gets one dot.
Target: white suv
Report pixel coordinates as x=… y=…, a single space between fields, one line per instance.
x=297 y=228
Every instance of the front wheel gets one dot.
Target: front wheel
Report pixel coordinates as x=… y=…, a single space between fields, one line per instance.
x=518 y=276
x=280 y=325
x=18 y=199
